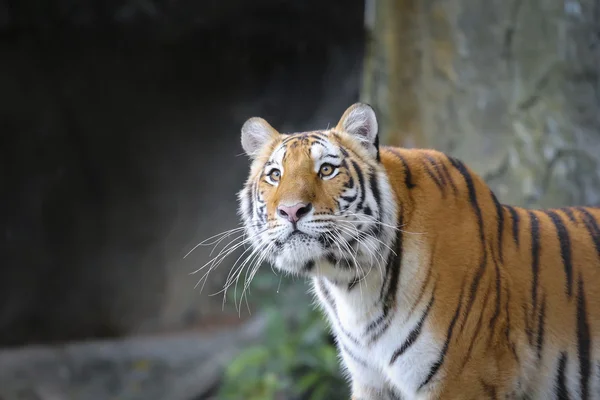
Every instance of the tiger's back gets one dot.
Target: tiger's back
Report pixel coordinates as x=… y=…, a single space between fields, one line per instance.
x=432 y=287
x=526 y=319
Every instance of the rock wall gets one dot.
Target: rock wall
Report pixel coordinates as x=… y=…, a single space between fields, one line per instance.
x=511 y=87
x=119 y=151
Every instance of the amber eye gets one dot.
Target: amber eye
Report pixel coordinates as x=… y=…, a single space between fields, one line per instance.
x=275 y=174
x=326 y=170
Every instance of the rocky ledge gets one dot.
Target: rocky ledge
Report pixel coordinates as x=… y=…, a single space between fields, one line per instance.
x=183 y=366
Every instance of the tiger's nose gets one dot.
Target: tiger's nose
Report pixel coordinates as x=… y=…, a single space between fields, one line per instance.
x=295 y=212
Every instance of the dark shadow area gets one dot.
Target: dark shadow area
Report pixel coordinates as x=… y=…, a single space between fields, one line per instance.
x=119 y=141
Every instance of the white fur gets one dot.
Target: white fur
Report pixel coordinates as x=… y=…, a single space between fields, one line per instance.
x=357 y=309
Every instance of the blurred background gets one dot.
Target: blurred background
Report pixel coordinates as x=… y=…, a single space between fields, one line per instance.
x=120 y=152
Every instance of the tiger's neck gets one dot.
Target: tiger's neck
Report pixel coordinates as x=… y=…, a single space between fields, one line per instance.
x=393 y=289
x=390 y=291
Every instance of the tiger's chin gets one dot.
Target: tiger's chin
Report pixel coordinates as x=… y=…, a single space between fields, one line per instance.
x=311 y=258
x=298 y=255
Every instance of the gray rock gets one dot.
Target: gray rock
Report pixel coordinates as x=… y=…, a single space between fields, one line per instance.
x=511 y=87
x=175 y=367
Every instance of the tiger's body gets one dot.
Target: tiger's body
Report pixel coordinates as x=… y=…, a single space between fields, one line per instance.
x=433 y=289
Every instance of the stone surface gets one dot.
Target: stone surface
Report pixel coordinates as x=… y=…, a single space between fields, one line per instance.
x=511 y=87
x=175 y=367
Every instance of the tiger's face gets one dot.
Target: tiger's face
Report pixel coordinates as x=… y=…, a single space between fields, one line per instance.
x=318 y=203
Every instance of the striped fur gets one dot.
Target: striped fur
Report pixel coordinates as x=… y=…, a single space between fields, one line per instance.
x=432 y=287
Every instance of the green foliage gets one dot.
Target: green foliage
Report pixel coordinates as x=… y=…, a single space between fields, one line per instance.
x=297 y=359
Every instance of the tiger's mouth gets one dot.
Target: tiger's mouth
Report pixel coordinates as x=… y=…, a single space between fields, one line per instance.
x=294 y=236
x=316 y=254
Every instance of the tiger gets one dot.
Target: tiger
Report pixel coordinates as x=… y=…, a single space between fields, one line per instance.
x=431 y=287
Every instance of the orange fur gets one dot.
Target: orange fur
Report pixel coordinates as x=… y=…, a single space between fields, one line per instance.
x=490 y=340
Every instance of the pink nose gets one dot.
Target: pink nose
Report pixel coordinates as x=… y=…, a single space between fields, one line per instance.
x=295 y=212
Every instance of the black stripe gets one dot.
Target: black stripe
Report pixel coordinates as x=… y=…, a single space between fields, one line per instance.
x=500 y=252
x=354 y=356
x=377 y=197
x=382 y=329
x=407 y=174
x=324 y=240
x=436 y=166
x=393 y=270
x=361 y=184
x=472 y=194
x=500 y=230
x=569 y=212
x=535 y=263
x=373 y=325
x=498 y=299
x=474 y=286
x=528 y=328
x=565 y=248
x=332 y=259
x=436 y=366
x=449 y=177
x=392 y=395
x=301 y=136
x=376 y=144
x=317 y=141
x=414 y=334
x=477 y=329
x=326 y=294
x=317 y=137
x=331 y=303
x=389 y=286
x=291 y=142
x=308 y=266
x=583 y=342
x=592 y=226
x=541 y=328
x=375 y=189
x=350 y=183
x=514 y=216
x=475 y=205
x=435 y=179
x=560 y=386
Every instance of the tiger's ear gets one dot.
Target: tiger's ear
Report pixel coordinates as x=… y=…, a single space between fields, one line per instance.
x=256 y=133
x=360 y=121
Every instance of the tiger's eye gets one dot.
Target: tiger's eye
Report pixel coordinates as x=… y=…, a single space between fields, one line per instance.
x=275 y=175
x=326 y=169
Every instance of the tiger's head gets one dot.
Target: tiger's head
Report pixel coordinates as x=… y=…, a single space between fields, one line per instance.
x=318 y=203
